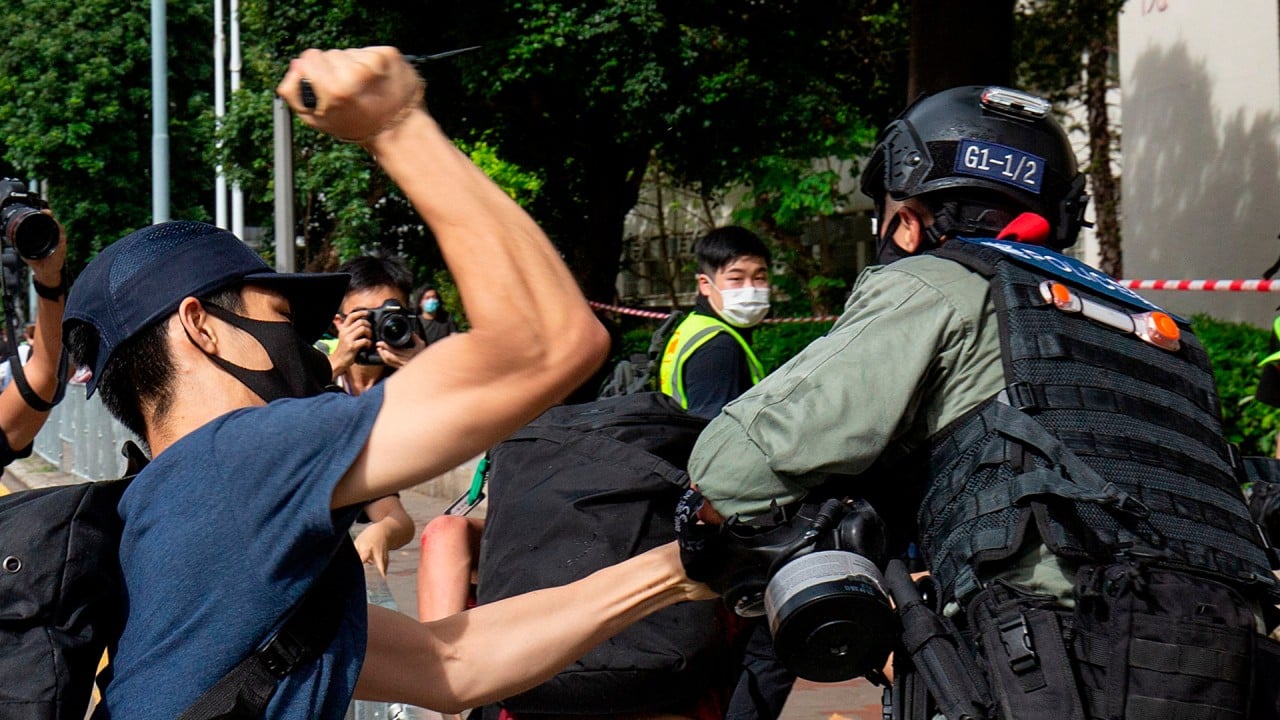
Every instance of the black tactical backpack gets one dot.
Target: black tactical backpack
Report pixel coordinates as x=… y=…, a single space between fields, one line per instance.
x=580 y=488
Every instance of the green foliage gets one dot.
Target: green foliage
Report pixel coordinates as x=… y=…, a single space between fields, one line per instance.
x=521 y=185
x=1235 y=349
x=776 y=344
x=572 y=100
x=1051 y=40
x=75 y=94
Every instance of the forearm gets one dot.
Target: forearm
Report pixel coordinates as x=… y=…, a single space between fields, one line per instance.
x=389 y=514
x=46 y=348
x=20 y=422
x=498 y=650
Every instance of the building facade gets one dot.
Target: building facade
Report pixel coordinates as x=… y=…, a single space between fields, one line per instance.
x=1201 y=144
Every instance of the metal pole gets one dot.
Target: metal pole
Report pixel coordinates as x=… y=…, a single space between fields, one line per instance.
x=237 y=197
x=284 y=228
x=159 y=114
x=219 y=108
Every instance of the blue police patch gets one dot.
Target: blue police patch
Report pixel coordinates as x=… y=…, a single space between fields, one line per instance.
x=1001 y=163
x=1069 y=269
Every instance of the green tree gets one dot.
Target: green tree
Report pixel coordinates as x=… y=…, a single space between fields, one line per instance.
x=1065 y=50
x=581 y=96
x=75 y=84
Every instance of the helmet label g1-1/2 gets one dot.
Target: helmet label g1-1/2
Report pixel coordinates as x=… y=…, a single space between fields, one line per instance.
x=1001 y=163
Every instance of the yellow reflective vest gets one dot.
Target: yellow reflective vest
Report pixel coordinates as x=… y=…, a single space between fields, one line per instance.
x=692 y=333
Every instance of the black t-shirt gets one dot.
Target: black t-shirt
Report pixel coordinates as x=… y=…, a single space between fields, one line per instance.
x=1269 y=385
x=440 y=326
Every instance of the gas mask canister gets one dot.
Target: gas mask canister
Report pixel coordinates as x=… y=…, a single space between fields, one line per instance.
x=815 y=577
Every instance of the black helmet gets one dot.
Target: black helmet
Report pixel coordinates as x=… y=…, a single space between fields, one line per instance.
x=991 y=140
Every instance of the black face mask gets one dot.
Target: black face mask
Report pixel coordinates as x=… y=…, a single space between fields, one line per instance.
x=887 y=251
x=297 y=369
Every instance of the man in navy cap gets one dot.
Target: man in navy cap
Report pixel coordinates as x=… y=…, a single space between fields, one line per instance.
x=257 y=473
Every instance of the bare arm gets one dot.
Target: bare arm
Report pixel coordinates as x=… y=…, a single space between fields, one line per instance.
x=533 y=336
x=497 y=650
x=390 y=528
x=19 y=421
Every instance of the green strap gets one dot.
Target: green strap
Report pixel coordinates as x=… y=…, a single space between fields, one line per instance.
x=477 y=481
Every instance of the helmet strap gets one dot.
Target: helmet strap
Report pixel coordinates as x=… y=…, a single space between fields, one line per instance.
x=953 y=218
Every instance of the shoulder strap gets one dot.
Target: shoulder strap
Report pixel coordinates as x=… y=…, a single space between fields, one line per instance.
x=308 y=628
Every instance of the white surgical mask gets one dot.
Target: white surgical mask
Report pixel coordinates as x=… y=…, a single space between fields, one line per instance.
x=745 y=306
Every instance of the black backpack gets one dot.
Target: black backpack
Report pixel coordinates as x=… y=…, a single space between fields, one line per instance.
x=580 y=488
x=62 y=604
x=60 y=596
x=636 y=373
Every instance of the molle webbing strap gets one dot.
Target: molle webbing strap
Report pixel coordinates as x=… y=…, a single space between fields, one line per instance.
x=1149 y=454
x=1120 y=447
x=1053 y=347
x=1027 y=397
x=1217 y=535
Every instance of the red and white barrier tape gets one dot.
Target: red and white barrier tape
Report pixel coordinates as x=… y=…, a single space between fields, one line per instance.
x=1204 y=285
x=1194 y=285
x=656 y=315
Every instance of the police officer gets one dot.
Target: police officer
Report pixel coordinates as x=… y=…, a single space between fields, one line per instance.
x=709 y=361
x=1050 y=440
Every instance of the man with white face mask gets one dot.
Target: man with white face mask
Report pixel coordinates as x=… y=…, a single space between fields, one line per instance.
x=708 y=363
x=709 y=360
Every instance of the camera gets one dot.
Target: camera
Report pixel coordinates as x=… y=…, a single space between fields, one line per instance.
x=393 y=325
x=24 y=227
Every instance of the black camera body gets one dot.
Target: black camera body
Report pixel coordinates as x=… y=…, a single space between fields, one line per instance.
x=392 y=324
x=22 y=224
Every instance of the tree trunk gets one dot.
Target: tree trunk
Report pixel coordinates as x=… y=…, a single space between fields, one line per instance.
x=1106 y=187
x=592 y=242
x=959 y=43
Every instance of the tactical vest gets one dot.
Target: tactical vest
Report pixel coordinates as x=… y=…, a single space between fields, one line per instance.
x=1102 y=442
x=694 y=332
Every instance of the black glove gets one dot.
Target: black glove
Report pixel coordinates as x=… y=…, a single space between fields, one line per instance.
x=736 y=559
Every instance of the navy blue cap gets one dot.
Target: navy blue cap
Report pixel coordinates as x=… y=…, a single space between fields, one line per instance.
x=141 y=279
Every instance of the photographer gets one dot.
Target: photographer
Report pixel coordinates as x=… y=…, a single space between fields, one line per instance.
x=363 y=354
x=42 y=245
x=360 y=359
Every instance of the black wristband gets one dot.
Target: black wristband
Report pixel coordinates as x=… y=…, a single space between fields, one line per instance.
x=52 y=293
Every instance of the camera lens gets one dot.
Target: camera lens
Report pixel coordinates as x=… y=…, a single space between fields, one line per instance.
x=396 y=330
x=34 y=234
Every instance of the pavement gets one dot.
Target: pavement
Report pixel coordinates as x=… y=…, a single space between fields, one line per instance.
x=849 y=700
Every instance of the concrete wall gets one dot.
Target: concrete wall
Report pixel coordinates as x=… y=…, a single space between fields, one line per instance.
x=1201 y=146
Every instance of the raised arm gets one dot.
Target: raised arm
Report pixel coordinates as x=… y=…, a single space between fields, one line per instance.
x=19 y=421
x=533 y=338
